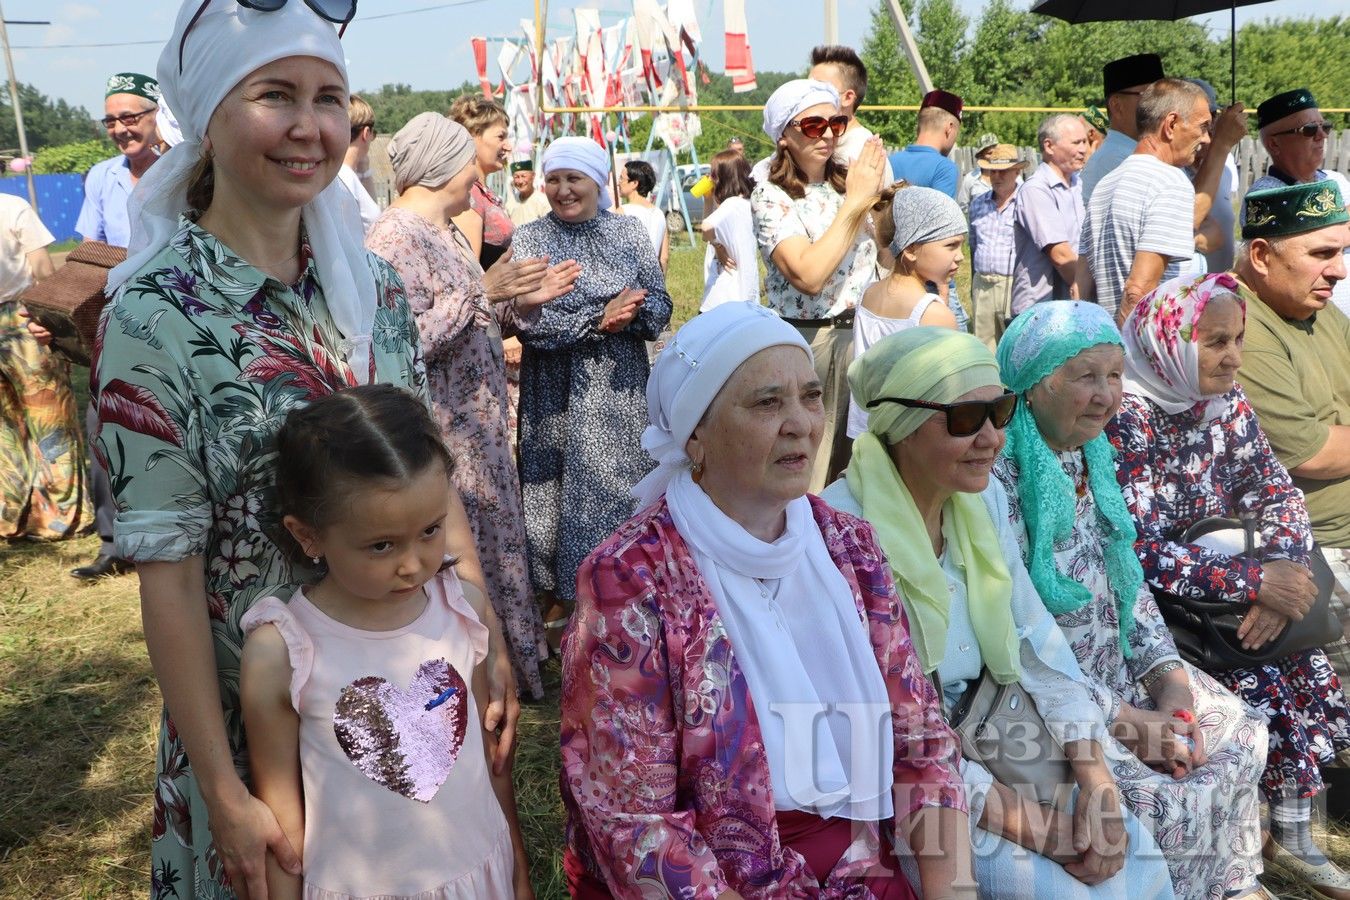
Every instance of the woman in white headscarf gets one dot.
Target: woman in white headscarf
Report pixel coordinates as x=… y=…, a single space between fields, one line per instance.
x=728 y=615
x=811 y=223
x=434 y=171
x=246 y=293
x=583 y=370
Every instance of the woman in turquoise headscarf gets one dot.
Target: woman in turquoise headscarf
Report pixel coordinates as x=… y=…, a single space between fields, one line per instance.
x=920 y=475
x=1187 y=754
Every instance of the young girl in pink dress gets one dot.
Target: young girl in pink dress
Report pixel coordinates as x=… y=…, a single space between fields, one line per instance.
x=360 y=692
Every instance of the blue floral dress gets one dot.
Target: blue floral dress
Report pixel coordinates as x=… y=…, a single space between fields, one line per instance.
x=1176 y=470
x=199 y=359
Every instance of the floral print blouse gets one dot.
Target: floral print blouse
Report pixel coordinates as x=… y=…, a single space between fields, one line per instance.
x=665 y=778
x=778 y=217
x=1175 y=470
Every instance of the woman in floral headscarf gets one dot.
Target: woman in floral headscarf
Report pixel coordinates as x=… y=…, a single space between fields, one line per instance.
x=1186 y=752
x=1191 y=448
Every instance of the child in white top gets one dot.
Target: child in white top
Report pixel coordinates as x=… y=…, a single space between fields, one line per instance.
x=925 y=231
x=360 y=693
x=731 y=270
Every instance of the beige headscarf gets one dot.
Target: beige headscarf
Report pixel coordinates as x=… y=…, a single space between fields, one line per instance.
x=429 y=151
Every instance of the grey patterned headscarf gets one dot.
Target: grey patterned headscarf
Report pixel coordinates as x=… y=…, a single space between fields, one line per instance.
x=429 y=151
x=922 y=215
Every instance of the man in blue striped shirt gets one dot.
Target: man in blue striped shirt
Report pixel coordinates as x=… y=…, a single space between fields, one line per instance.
x=992 y=247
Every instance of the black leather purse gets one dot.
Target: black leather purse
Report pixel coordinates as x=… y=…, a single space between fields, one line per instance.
x=1205 y=631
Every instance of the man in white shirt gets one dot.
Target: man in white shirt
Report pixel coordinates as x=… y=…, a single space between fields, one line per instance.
x=355 y=171
x=1140 y=223
x=525 y=203
x=841 y=67
x=1124 y=81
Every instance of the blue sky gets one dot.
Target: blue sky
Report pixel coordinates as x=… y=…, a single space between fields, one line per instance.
x=430 y=49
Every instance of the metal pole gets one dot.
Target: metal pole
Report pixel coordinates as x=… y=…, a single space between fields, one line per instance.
x=831 y=22
x=911 y=49
x=540 y=26
x=1232 y=54
x=18 y=111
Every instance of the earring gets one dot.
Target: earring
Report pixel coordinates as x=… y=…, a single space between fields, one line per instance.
x=697 y=472
x=317 y=560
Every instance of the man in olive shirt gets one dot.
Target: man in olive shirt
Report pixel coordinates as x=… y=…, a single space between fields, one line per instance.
x=1296 y=362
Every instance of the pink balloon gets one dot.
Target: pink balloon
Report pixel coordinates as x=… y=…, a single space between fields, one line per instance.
x=19 y=164
x=611 y=136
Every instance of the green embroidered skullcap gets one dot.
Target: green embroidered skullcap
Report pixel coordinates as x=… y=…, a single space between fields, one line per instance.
x=133 y=83
x=523 y=165
x=1292 y=209
x=1285 y=104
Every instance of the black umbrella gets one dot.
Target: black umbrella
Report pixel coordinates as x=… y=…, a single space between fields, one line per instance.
x=1073 y=11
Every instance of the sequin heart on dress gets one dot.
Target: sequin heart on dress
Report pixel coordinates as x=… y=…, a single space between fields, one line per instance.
x=405 y=740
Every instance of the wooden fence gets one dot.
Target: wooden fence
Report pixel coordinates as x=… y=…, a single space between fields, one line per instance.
x=1251 y=158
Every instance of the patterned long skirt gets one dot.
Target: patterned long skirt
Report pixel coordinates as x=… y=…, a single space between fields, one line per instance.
x=43 y=490
x=1304 y=708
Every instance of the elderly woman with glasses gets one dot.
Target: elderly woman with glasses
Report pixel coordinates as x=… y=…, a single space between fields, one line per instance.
x=246 y=293
x=743 y=713
x=811 y=221
x=1185 y=752
x=920 y=475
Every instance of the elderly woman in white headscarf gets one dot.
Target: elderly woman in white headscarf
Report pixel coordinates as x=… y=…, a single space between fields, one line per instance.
x=742 y=706
x=583 y=370
x=434 y=171
x=246 y=293
x=811 y=221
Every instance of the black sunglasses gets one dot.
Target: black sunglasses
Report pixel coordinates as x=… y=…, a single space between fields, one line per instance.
x=967 y=417
x=126 y=119
x=339 y=12
x=1308 y=131
x=814 y=126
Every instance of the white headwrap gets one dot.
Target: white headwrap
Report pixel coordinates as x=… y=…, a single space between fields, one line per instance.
x=227 y=43
x=699 y=359
x=584 y=155
x=786 y=103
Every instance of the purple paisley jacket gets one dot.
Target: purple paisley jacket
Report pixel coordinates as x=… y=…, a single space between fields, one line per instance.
x=665 y=777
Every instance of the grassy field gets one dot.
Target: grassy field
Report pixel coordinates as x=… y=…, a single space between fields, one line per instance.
x=79 y=711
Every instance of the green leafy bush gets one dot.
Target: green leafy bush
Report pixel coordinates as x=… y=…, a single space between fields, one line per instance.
x=76 y=158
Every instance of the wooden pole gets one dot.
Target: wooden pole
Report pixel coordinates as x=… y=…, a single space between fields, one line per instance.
x=18 y=111
x=831 y=22
x=540 y=28
x=911 y=49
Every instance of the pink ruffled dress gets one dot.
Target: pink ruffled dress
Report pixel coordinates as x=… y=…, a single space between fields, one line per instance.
x=398 y=801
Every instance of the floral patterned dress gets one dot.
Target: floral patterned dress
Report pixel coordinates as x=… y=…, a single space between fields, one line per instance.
x=1205 y=823
x=665 y=780
x=583 y=393
x=1176 y=470
x=466 y=376
x=199 y=359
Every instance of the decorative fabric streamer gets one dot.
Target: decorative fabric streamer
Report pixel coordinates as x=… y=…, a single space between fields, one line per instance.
x=1162 y=348
x=692 y=368
x=228 y=42
x=585 y=156
x=938 y=365
x=1035 y=345
x=922 y=215
x=791 y=98
x=740 y=66
x=429 y=151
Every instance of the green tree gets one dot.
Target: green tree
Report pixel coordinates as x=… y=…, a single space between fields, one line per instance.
x=46 y=122
x=395 y=104
x=939 y=29
x=77 y=158
x=1283 y=54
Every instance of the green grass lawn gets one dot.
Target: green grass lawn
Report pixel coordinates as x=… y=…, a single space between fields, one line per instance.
x=79 y=711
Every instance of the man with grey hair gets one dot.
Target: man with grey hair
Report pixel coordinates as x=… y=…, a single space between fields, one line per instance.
x=1140 y=223
x=1049 y=215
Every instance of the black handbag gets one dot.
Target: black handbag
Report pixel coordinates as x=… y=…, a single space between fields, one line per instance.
x=1205 y=631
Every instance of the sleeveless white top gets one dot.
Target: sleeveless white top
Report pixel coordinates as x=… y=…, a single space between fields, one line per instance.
x=868 y=328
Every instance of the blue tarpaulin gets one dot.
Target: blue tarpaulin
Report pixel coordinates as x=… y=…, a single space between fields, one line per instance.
x=59 y=200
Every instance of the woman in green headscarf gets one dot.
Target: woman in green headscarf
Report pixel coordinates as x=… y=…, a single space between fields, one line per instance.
x=1186 y=753
x=920 y=475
